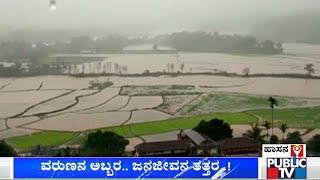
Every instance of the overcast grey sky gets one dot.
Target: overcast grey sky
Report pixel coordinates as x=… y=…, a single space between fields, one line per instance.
x=148 y=15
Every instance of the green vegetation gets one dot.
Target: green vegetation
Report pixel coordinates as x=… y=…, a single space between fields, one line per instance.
x=149 y=128
x=156 y=127
x=158 y=90
x=6 y=150
x=200 y=41
x=105 y=143
x=294 y=117
x=46 y=138
x=216 y=129
x=66 y=60
x=314 y=144
x=100 y=85
x=255 y=133
x=222 y=102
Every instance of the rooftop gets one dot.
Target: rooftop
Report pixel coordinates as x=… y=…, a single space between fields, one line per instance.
x=163 y=146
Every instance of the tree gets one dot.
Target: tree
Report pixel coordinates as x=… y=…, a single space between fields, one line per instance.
x=246 y=71
x=255 y=133
x=172 y=67
x=272 y=102
x=155 y=47
x=267 y=125
x=310 y=70
x=168 y=67
x=182 y=67
x=274 y=139
x=283 y=127
x=216 y=129
x=314 y=144
x=116 y=68
x=66 y=152
x=293 y=138
x=104 y=144
x=6 y=150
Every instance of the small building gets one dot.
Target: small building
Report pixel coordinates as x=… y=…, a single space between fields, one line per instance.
x=192 y=143
x=241 y=146
x=188 y=143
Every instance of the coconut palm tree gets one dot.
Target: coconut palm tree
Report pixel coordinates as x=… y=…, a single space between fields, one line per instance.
x=267 y=125
x=272 y=102
x=255 y=133
x=283 y=127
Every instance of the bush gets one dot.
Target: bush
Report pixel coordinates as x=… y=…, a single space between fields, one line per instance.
x=216 y=129
x=104 y=144
x=293 y=138
x=274 y=139
x=314 y=144
x=6 y=150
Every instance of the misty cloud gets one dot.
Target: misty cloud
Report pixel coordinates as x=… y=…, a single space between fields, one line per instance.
x=148 y=15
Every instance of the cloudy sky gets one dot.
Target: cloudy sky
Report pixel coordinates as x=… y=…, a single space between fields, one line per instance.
x=148 y=15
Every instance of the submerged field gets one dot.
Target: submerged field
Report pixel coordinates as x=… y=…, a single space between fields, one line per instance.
x=54 y=110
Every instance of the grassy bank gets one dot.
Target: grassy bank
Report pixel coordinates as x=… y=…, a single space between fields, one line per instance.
x=45 y=138
x=231 y=102
x=294 y=117
x=49 y=138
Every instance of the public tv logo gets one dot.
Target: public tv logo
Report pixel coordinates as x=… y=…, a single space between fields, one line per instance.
x=283 y=150
x=285 y=161
x=297 y=151
x=287 y=168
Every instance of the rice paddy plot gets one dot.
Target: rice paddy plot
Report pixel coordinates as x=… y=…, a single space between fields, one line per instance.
x=95 y=99
x=143 y=102
x=158 y=90
x=294 y=117
x=80 y=122
x=13 y=103
x=113 y=105
x=232 y=102
x=58 y=104
x=2 y=124
x=16 y=132
x=147 y=116
x=15 y=122
x=173 y=104
x=46 y=138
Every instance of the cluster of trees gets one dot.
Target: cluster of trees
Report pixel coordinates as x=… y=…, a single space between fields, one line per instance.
x=6 y=150
x=17 y=50
x=216 y=129
x=97 y=144
x=207 y=42
x=31 y=69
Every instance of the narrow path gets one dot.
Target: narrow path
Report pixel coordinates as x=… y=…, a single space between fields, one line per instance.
x=134 y=135
x=4 y=86
x=42 y=102
x=98 y=105
x=129 y=118
x=188 y=103
x=40 y=86
x=77 y=100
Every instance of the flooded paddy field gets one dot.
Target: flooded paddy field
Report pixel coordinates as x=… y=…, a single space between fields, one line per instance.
x=66 y=103
x=287 y=63
x=141 y=99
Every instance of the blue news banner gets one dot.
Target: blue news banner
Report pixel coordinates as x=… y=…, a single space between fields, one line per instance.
x=214 y=168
